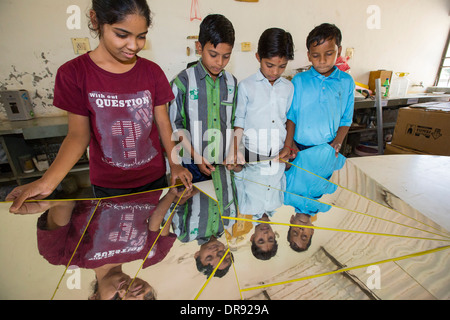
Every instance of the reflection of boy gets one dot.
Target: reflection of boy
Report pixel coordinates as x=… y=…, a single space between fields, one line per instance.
x=264 y=242
x=208 y=257
x=199 y=218
x=299 y=237
x=307 y=179
x=306 y=182
x=322 y=107
x=259 y=194
x=205 y=99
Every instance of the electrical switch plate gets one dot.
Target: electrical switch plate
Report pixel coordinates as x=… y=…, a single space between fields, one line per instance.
x=81 y=45
x=246 y=46
x=349 y=52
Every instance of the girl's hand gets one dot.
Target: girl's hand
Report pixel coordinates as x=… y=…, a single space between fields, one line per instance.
x=35 y=190
x=178 y=172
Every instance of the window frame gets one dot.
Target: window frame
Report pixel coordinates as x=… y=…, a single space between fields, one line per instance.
x=441 y=64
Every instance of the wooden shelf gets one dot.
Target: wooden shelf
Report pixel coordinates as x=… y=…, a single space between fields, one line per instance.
x=18 y=138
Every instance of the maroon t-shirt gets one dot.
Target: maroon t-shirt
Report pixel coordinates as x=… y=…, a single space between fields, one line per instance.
x=125 y=150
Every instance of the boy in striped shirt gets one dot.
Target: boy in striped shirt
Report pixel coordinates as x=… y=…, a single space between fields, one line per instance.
x=202 y=112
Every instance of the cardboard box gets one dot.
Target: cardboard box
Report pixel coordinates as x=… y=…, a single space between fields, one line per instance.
x=379 y=74
x=394 y=149
x=424 y=127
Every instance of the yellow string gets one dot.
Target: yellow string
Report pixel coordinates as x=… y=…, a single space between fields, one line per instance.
x=365 y=197
x=129 y=286
x=76 y=248
x=335 y=229
x=413 y=255
x=350 y=210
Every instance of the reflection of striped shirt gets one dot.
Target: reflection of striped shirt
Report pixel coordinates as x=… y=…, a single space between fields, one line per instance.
x=200 y=217
x=205 y=108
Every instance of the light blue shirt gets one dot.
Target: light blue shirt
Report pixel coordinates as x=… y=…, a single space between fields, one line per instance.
x=260 y=188
x=261 y=111
x=321 y=105
x=303 y=182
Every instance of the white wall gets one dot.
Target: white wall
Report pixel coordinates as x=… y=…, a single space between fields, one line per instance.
x=410 y=37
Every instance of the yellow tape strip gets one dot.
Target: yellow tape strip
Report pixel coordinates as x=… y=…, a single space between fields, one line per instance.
x=76 y=248
x=413 y=255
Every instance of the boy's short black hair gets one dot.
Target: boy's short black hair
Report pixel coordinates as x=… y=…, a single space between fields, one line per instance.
x=322 y=33
x=216 y=28
x=276 y=42
x=264 y=255
x=294 y=246
x=208 y=269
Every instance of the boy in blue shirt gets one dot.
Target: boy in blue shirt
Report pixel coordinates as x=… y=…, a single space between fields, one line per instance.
x=322 y=106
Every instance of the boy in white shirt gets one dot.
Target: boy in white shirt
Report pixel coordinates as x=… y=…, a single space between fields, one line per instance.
x=263 y=101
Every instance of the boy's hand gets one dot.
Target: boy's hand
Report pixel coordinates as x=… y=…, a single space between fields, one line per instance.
x=285 y=154
x=294 y=151
x=234 y=161
x=182 y=193
x=288 y=153
x=235 y=158
x=205 y=167
x=234 y=167
x=336 y=146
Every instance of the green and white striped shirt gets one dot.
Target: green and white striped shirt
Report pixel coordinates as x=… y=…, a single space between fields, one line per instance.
x=205 y=109
x=199 y=217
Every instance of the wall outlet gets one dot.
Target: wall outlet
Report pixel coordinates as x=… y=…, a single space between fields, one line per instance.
x=81 y=45
x=246 y=46
x=349 y=52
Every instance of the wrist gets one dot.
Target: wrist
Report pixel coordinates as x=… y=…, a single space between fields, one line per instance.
x=289 y=147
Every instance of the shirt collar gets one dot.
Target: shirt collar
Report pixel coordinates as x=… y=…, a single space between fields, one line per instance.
x=334 y=74
x=260 y=77
x=202 y=70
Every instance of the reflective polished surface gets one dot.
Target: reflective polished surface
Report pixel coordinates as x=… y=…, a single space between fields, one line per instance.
x=320 y=227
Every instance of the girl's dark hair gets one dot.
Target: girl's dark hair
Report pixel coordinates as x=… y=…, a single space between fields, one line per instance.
x=320 y=34
x=114 y=11
x=276 y=42
x=216 y=28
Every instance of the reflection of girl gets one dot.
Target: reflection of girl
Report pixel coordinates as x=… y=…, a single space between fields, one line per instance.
x=112 y=284
x=123 y=229
x=116 y=103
